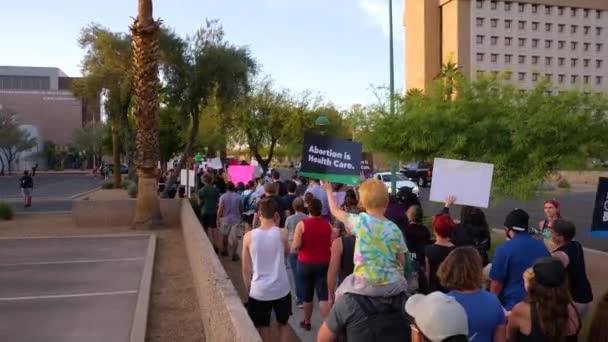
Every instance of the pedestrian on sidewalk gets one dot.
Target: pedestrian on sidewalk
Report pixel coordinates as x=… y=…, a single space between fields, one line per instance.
x=291 y=223
x=26 y=183
x=208 y=197
x=264 y=273
x=229 y=216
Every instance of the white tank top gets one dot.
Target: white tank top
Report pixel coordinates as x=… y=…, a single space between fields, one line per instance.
x=269 y=280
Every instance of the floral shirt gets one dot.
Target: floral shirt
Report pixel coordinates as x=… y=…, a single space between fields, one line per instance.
x=376 y=249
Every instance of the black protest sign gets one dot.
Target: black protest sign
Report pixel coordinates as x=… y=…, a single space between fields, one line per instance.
x=367 y=163
x=599 y=224
x=332 y=159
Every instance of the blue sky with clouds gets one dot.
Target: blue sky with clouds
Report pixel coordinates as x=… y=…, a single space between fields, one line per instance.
x=336 y=47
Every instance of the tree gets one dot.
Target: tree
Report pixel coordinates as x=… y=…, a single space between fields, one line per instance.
x=88 y=139
x=527 y=135
x=169 y=137
x=145 y=32
x=13 y=140
x=106 y=67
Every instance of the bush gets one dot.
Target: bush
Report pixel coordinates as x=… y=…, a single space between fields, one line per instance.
x=6 y=212
x=563 y=184
x=132 y=190
x=126 y=184
x=107 y=184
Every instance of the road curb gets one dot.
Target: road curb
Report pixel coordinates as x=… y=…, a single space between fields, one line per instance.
x=140 y=317
x=82 y=194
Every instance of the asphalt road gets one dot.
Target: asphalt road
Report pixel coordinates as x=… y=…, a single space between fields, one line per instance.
x=575 y=206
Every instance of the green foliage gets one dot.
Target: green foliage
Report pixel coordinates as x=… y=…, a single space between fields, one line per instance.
x=563 y=184
x=170 y=140
x=126 y=183
x=13 y=140
x=51 y=155
x=132 y=190
x=526 y=135
x=6 y=212
x=89 y=139
x=107 y=184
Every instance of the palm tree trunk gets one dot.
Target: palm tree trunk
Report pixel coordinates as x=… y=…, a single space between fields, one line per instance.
x=116 y=176
x=145 y=32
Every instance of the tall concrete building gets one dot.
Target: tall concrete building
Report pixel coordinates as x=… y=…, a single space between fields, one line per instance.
x=564 y=41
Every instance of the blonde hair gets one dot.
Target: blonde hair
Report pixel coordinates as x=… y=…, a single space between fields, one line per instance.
x=373 y=194
x=528 y=277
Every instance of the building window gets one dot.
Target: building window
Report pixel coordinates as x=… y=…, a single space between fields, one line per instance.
x=573 y=62
x=560 y=11
x=561 y=61
x=548 y=43
x=479 y=39
x=573 y=79
x=522 y=42
x=521 y=59
x=548 y=60
x=534 y=8
x=560 y=78
x=560 y=44
x=534 y=42
x=598 y=47
x=479 y=3
x=598 y=31
x=573 y=46
x=494 y=57
x=586 y=46
x=598 y=63
x=479 y=22
x=534 y=77
x=547 y=10
x=494 y=22
x=586 y=79
x=521 y=76
x=535 y=26
x=560 y=27
x=598 y=80
x=508 y=41
x=508 y=23
x=586 y=62
x=508 y=59
x=598 y=14
x=480 y=57
x=573 y=12
x=521 y=8
x=493 y=5
x=587 y=28
x=507 y=6
x=586 y=13
x=548 y=27
x=534 y=60
x=521 y=24
x=494 y=40
x=549 y=77
x=573 y=28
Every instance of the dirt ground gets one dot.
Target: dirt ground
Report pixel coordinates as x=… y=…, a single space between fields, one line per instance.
x=173 y=313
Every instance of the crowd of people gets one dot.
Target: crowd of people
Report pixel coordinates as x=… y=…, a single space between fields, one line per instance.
x=378 y=273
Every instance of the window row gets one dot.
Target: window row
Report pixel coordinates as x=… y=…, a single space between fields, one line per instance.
x=561 y=10
x=522 y=24
x=535 y=60
x=561 y=78
x=534 y=43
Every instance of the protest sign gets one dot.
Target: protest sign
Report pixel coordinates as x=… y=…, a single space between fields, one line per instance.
x=331 y=159
x=240 y=173
x=215 y=163
x=367 y=164
x=469 y=182
x=599 y=222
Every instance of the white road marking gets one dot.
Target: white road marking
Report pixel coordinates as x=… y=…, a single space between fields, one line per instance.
x=60 y=262
x=73 y=295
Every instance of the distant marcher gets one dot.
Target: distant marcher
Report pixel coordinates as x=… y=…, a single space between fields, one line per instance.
x=552 y=213
x=339 y=193
x=513 y=257
x=436 y=317
x=26 y=182
x=435 y=254
x=287 y=200
x=208 y=197
x=341 y=263
x=270 y=191
x=308 y=197
x=248 y=199
x=314 y=187
x=548 y=313
x=220 y=181
x=571 y=253
x=417 y=237
x=395 y=212
x=240 y=188
x=302 y=186
x=290 y=224
x=351 y=202
x=598 y=331
x=473 y=230
x=229 y=217
x=276 y=178
x=264 y=273
x=34 y=168
x=462 y=273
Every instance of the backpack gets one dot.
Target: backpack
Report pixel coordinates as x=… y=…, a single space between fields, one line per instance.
x=385 y=326
x=249 y=202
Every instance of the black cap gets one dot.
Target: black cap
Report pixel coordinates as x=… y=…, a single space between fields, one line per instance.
x=518 y=220
x=549 y=272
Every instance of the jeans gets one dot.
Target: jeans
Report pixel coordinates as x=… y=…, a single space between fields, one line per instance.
x=293 y=264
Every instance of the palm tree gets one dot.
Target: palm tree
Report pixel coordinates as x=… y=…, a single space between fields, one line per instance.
x=145 y=32
x=450 y=75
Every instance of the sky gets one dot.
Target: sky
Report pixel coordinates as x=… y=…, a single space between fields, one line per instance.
x=338 y=48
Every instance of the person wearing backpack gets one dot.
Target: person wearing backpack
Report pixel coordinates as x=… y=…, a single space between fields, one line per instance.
x=27 y=185
x=248 y=199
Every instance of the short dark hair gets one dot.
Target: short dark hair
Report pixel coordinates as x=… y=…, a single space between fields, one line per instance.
x=315 y=207
x=291 y=186
x=250 y=184
x=298 y=204
x=267 y=207
x=230 y=186
x=275 y=174
x=271 y=188
x=564 y=228
x=206 y=178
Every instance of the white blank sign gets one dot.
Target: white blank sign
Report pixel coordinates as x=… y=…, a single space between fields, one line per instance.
x=469 y=182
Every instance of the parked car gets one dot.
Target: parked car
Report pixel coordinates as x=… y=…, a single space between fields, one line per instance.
x=401 y=180
x=124 y=169
x=419 y=172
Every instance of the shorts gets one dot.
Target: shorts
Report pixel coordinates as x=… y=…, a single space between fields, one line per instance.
x=209 y=220
x=260 y=310
x=313 y=278
x=231 y=230
x=27 y=191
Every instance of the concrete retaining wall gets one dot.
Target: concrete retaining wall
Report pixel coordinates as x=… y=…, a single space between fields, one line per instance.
x=222 y=312
x=96 y=213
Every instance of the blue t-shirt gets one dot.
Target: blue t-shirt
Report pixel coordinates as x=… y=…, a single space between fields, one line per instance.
x=484 y=314
x=511 y=259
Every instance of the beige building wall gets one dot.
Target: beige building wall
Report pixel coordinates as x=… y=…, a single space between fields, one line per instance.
x=456 y=33
x=423 y=46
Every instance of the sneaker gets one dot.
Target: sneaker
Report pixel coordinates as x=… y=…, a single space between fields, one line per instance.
x=306 y=326
x=235 y=257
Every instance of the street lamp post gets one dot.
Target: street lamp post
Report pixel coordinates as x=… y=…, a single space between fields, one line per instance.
x=392 y=90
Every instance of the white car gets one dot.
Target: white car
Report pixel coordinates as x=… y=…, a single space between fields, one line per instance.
x=401 y=180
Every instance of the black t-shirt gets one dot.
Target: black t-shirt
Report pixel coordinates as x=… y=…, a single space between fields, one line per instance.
x=580 y=288
x=282 y=188
x=417 y=237
x=220 y=184
x=287 y=203
x=26 y=182
x=436 y=254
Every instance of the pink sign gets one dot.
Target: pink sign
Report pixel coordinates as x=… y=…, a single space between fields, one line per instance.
x=240 y=173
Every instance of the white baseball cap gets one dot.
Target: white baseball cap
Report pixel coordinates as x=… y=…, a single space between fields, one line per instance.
x=437 y=315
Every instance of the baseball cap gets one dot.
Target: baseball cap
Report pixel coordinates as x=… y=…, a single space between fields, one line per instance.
x=438 y=316
x=549 y=272
x=518 y=220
